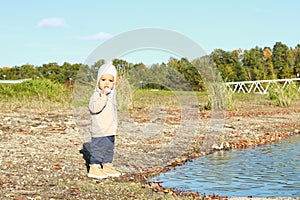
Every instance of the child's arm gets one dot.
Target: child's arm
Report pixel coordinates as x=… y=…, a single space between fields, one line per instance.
x=97 y=102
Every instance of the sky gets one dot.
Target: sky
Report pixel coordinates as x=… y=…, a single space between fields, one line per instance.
x=40 y=32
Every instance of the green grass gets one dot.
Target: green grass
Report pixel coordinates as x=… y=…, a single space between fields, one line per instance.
x=143 y=98
x=49 y=95
x=35 y=94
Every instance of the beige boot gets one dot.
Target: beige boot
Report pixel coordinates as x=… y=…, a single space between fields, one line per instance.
x=110 y=171
x=96 y=172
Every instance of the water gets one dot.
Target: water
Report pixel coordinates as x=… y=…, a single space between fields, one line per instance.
x=265 y=171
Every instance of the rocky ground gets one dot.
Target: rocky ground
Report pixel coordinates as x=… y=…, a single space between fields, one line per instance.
x=41 y=159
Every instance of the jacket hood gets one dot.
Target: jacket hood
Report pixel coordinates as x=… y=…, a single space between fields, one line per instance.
x=108 y=68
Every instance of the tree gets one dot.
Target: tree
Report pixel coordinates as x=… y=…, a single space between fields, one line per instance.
x=268 y=64
x=220 y=58
x=189 y=74
x=254 y=64
x=239 y=72
x=282 y=59
x=296 y=55
x=229 y=64
x=137 y=73
x=122 y=66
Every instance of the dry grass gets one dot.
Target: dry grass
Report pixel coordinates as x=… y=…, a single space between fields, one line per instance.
x=54 y=169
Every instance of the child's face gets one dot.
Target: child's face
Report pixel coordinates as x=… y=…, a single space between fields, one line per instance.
x=106 y=80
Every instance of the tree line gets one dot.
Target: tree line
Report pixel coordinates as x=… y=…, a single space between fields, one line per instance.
x=257 y=63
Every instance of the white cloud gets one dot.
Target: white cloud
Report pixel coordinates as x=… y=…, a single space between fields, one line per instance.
x=52 y=23
x=99 y=36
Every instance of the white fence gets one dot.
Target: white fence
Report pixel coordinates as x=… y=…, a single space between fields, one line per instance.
x=259 y=86
x=14 y=81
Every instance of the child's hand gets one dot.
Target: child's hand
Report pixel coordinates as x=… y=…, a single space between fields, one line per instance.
x=106 y=90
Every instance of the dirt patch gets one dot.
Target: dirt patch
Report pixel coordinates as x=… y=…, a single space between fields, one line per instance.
x=41 y=156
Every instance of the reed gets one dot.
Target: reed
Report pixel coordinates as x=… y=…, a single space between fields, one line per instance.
x=284 y=96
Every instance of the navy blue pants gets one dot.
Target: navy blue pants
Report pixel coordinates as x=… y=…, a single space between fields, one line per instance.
x=102 y=149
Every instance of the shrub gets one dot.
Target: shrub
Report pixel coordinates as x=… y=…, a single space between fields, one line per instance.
x=42 y=91
x=284 y=96
x=124 y=94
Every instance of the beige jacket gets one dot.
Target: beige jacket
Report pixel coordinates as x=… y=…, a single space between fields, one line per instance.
x=103 y=107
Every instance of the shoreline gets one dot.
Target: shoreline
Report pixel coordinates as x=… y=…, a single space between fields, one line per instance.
x=182 y=160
